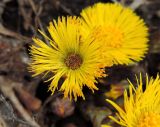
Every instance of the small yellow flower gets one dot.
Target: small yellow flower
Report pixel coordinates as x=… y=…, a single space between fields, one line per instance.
x=142 y=107
x=115 y=91
x=105 y=125
x=121 y=32
x=79 y=62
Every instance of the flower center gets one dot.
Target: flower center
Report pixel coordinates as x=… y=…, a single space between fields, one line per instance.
x=110 y=36
x=149 y=120
x=73 y=61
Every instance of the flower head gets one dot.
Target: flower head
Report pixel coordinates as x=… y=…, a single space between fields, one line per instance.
x=142 y=107
x=78 y=62
x=121 y=32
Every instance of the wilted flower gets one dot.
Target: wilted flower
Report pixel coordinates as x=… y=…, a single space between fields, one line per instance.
x=141 y=107
x=78 y=61
x=121 y=32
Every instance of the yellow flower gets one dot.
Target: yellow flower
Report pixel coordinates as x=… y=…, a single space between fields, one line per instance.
x=141 y=107
x=121 y=32
x=105 y=125
x=79 y=62
x=115 y=91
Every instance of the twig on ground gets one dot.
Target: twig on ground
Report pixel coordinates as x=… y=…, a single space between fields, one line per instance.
x=136 y=4
x=67 y=10
x=115 y=1
x=2 y=122
x=7 y=32
x=37 y=12
x=7 y=88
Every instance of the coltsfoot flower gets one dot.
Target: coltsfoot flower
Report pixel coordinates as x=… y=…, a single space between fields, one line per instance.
x=141 y=107
x=79 y=62
x=122 y=33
